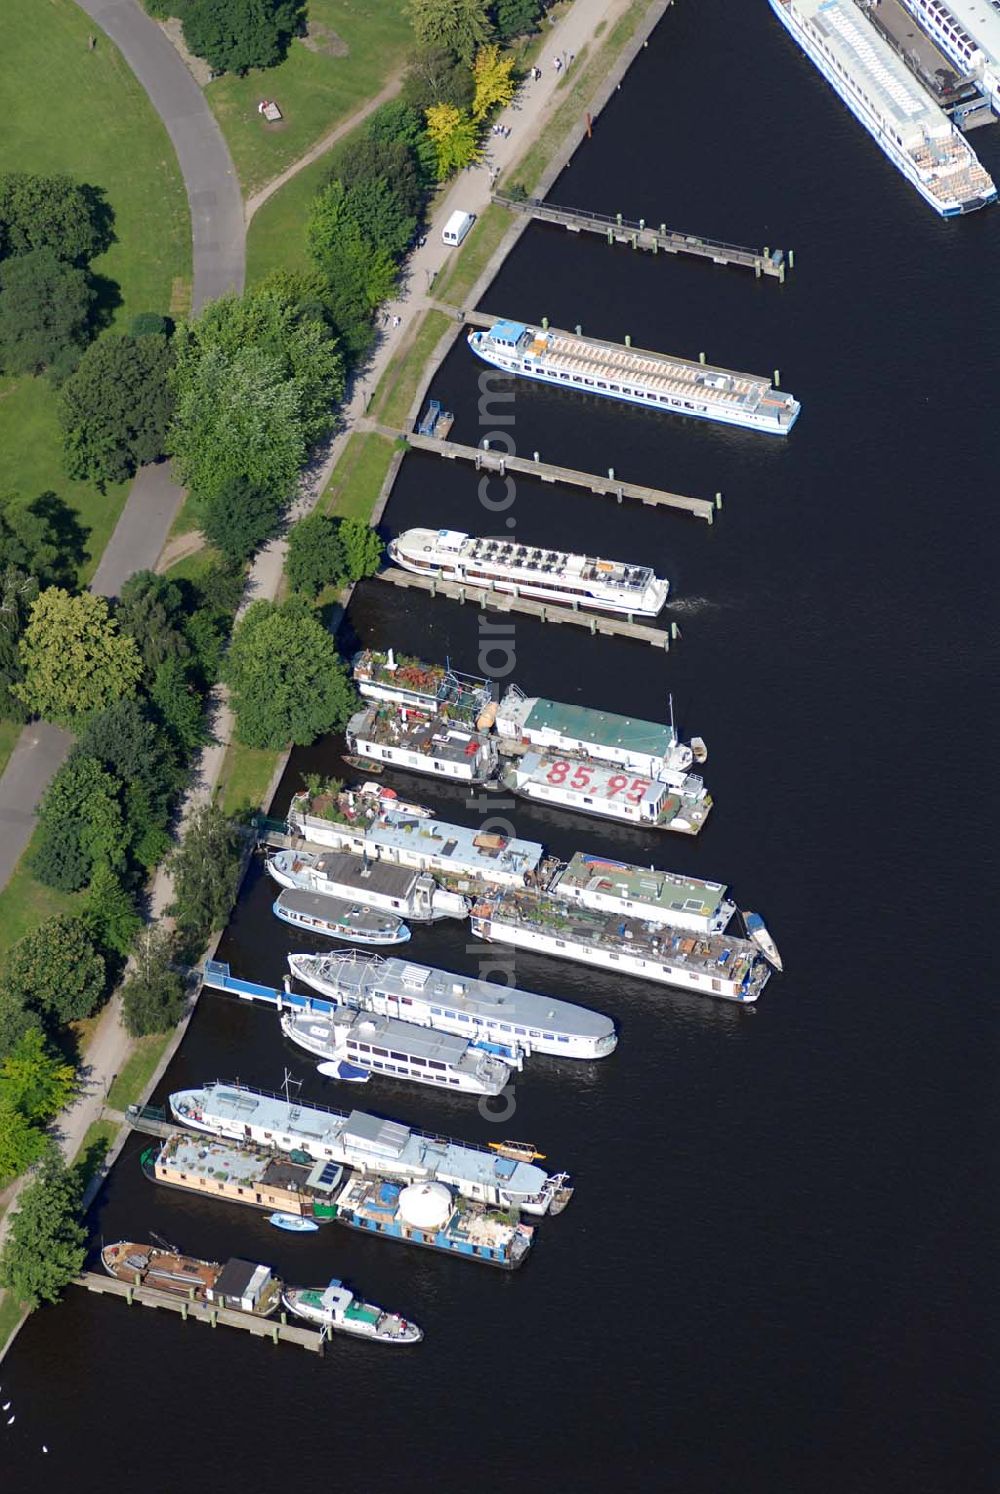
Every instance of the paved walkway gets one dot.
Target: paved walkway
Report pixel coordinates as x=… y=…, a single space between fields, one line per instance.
x=218 y=242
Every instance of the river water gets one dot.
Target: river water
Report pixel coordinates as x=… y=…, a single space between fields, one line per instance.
x=771 y=1274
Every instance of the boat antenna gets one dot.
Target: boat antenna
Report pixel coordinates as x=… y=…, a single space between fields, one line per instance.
x=670 y=698
x=286 y=1086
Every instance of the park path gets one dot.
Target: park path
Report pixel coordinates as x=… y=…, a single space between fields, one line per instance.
x=218 y=255
x=257 y=201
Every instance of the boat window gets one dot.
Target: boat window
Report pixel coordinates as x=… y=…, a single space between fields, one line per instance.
x=562 y=1038
x=432 y=1063
x=520 y=1031
x=534 y=1032
x=383 y=1052
x=436 y=1011
x=452 y=1081
x=505 y=1027
x=463 y=1016
x=400 y=1057
x=417 y=1059
x=363 y=1047
x=616 y=957
x=549 y=1037
x=406 y=1000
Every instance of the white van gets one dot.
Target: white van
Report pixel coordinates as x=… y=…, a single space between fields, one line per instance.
x=457 y=227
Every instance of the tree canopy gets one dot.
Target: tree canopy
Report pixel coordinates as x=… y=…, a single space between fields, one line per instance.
x=205 y=870
x=52 y=212
x=35 y=1080
x=81 y=825
x=236 y=35
x=455 y=138
x=240 y=517
x=46 y=1246
x=315 y=555
x=18 y=591
x=151 y=610
x=435 y=76
x=516 y=17
x=153 y=997
x=460 y=27
x=74 y=659
x=116 y=408
x=41 y=536
x=57 y=970
x=46 y=307
x=494 y=78
x=359 y=273
x=288 y=683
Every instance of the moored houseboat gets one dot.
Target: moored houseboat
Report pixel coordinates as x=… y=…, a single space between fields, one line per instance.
x=355 y=923
x=336 y=1308
x=245 y=1286
x=590 y=788
x=380 y=886
x=406 y=736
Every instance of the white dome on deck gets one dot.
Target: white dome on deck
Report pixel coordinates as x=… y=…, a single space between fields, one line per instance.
x=425 y=1205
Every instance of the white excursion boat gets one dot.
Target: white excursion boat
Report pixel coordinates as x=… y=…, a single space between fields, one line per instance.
x=636 y=376
x=457 y=1004
x=549 y=575
x=353 y=922
x=399 y=1050
x=917 y=136
x=336 y=1308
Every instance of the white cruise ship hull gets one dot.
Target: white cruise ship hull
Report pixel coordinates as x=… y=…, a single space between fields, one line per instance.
x=463 y=1083
x=622 y=962
x=899 y=158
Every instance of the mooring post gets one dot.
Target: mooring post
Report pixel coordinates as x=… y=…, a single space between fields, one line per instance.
x=642 y=222
x=628 y=339
x=777 y=378
x=635 y=241
x=701 y=357
x=461 y=595
x=756 y=269
x=503 y=467
x=545 y=324
x=184 y=1311
x=579 y=330
x=767 y=252
x=611 y=236
x=611 y=473
x=479 y=461
x=275 y=1330
x=791 y=259
x=620 y=494
x=718 y=500
x=618 y=219
x=675 y=631
x=130 y=1295
x=535 y=455
x=213 y=1317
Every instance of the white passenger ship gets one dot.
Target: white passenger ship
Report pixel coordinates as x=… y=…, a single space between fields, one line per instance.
x=916 y=135
x=638 y=377
x=530 y=571
x=399 y=1050
x=458 y=1004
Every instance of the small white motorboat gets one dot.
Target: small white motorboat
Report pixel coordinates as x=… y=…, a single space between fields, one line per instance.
x=347 y=1073
x=294 y=1223
x=757 y=931
x=698 y=749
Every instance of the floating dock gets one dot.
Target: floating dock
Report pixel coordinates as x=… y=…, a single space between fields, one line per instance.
x=610 y=486
x=608 y=625
x=278 y=1329
x=653 y=237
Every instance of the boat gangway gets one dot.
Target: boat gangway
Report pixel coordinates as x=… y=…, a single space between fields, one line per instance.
x=610 y=486
x=151 y=1120
x=653 y=237
x=217 y=976
x=607 y=624
x=279 y=1330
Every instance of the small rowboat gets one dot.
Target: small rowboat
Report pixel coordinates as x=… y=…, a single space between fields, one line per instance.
x=294 y=1223
x=757 y=931
x=518 y=1151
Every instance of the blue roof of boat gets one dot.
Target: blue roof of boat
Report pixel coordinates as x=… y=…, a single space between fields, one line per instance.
x=508 y=331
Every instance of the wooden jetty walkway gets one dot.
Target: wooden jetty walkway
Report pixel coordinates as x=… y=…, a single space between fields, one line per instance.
x=278 y=1329
x=612 y=486
x=501 y=601
x=643 y=235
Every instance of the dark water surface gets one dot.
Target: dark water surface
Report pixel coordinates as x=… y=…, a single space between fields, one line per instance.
x=772 y=1273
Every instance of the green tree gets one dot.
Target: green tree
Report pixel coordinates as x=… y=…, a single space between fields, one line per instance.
x=236 y=35
x=52 y=212
x=205 y=869
x=57 y=970
x=240 y=517
x=35 y=1080
x=435 y=76
x=460 y=27
x=109 y=912
x=516 y=18
x=151 y=610
x=399 y=123
x=46 y=1247
x=74 y=659
x=153 y=997
x=495 y=82
x=46 y=307
x=288 y=683
x=16 y=1018
x=116 y=408
x=370 y=159
x=362 y=549
x=455 y=138
x=41 y=536
x=315 y=555
x=359 y=273
x=179 y=706
x=17 y=593
x=150 y=324
x=23 y=1142
x=81 y=825
x=128 y=744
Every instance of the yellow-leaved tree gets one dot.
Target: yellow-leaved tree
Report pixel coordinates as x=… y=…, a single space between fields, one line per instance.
x=454 y=137
x=494 y=77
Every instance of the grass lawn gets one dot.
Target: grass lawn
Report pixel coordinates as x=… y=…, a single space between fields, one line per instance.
x=357 y=479
x=31 y=463
x=95 y=1147
x=397 y=387
x=25 y=903
x=67 y=109
x=246 y=776
x=194 y=566
x=470 y=260
x=314 y=89
x=131 y=1084
x=276 y=238
x=9 y=733
x=10 y=1316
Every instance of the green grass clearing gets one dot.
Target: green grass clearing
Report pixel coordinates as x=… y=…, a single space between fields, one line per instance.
x=470 y=260
x=11 y=1313
x=357 y=479
x=276 y=238
x=192 y=567
x=315 y=89
x=131 y=1084
x=398 y=386
x=25 y=903
x=246 y=776
x=9 y=733
x=95 y=1147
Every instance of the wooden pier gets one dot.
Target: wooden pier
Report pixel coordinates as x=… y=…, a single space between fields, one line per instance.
x=653 y=237
x=278 y=1329
x=611 y=486
x=502 y=601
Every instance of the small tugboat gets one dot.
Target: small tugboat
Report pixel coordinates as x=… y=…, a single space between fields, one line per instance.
x=294 y=1223
x=757 y=931
x=336 y=918
x=338 y=1309
x=242 y=1285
